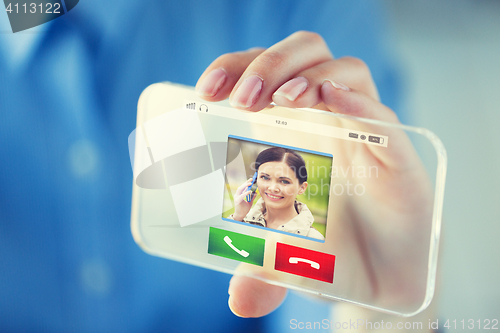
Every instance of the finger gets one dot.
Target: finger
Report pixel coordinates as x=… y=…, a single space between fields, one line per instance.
x=240 y=189
x=275 y=66
x=250 y=297
x=304 y=90
x=341 y=99
x=217 y=81
x=242 y=198
x=338 y=97
x=239 y=198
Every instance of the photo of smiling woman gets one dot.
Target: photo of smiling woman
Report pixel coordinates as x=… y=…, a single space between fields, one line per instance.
x=280 y=176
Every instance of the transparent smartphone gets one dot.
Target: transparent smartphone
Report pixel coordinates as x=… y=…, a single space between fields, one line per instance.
x=346 y=208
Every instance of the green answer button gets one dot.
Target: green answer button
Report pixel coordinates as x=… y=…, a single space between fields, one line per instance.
x=233 y=245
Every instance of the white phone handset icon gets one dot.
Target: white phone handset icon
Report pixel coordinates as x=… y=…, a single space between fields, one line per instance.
x=240 y=252
x=295 y=260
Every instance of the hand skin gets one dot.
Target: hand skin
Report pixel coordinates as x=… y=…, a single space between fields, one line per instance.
x=242 y=207
x=300 y=71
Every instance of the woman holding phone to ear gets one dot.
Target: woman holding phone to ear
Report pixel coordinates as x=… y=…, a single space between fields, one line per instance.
x=281 y=176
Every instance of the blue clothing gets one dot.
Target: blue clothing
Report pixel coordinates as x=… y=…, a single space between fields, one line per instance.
x=68 y=102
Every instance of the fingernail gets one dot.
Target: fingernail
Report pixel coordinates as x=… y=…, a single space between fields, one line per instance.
x=293 y=88
x=212 y=83
x=248 y=92
x=338 y=86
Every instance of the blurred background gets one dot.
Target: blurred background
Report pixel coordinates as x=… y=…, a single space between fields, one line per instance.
x=449 y=56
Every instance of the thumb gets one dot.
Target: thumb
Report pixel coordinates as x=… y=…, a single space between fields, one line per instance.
x=250 y=298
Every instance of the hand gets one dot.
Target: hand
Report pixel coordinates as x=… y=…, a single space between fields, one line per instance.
x=242 y=207
x=379 y=230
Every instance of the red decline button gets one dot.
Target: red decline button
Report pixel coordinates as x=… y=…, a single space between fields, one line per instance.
x=307 y=263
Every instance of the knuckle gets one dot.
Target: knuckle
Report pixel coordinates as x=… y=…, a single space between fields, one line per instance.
x=358 y=64
x=238 y=56
x=326 y=69
x=255 y=49
x=362 y=76
x=392 y=116
x=226 y=57
x=309 y=36
x=271 y=59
